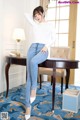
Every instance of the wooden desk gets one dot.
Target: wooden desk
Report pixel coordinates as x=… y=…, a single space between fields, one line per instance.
x=49 y=63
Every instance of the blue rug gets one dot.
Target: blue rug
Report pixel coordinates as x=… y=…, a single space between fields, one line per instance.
x=41 y=108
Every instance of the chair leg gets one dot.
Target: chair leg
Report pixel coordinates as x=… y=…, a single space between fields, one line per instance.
x=40 y=82
x=61 y=84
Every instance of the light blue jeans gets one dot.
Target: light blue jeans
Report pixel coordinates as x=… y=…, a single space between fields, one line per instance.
x=34 y=57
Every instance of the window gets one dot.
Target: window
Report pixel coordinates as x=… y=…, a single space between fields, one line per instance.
x=58 y=14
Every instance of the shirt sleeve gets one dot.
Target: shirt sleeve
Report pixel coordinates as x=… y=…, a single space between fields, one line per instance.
x=30 y=19
x=53 y=37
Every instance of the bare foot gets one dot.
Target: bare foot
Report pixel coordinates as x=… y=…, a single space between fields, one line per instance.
x=28 y=110
x=33 y=96
x=33 y=93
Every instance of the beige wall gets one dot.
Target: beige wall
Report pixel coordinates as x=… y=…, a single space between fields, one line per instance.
x=12 y=16
x=1 y=40
x=77 y=53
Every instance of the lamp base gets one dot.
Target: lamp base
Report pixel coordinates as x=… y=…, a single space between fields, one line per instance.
x=18 y=54
x=15 y=54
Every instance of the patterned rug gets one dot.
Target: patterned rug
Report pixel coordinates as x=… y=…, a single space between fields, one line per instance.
x=41 y=108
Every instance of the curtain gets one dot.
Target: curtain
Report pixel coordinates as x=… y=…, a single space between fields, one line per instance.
x=44 y=4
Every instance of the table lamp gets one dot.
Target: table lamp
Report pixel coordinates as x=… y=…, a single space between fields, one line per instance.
x=18 y=35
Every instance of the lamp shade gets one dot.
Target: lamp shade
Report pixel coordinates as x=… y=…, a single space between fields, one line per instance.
x=19 y=34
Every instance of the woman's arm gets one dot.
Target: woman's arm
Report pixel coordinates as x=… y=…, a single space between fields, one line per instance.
x=30 y=19
x=53 y=37
x=51 y=41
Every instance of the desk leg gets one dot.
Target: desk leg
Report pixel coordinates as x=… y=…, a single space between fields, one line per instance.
x=53 y=88
x=67 y=77
x=7 y=78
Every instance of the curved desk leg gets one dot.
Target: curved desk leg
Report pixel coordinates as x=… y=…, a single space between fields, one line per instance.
x=67 y=77
x=7 y=78
x=53 y=88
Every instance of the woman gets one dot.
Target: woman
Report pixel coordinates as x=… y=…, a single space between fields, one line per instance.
x=44 y=36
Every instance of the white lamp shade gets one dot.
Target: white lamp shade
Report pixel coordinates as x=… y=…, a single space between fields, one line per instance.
x=19 y=34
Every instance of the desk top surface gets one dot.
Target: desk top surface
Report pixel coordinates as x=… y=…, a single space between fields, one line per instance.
x=48 y=59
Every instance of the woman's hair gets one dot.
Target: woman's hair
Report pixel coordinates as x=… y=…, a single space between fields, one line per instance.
x=38 y=10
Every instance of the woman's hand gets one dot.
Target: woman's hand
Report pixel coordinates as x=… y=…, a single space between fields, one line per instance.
x=44 y=49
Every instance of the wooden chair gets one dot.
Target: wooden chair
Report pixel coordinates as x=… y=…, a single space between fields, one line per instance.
x=56 y=52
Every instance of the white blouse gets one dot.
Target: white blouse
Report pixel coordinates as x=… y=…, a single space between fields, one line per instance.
x=41 y=32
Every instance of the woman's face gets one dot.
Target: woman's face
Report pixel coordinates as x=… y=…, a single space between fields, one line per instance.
x=38 y=17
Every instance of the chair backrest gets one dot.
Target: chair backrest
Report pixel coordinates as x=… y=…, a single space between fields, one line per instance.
x=60 y=52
